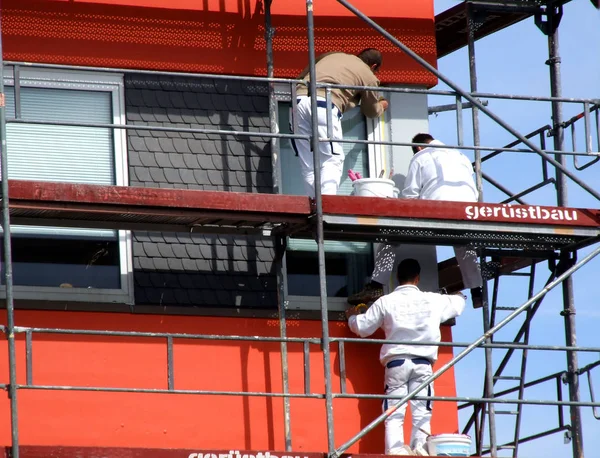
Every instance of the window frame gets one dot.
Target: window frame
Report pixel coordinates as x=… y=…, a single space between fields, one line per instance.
x=378 y=160
x=88 y=81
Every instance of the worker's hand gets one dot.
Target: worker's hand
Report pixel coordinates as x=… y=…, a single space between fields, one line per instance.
x=384 y=104
x=351 y=311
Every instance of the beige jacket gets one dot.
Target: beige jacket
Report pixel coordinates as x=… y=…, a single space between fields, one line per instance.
x=347 y=69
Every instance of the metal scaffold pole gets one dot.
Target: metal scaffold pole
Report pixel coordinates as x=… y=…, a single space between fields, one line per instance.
x=474 y=111
x=279 y=240
x=550 y=28
x=325 y=343
x=8 y=277
x=489 y=370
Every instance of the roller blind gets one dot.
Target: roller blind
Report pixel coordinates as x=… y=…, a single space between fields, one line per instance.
x=61 y=153
x=356 y=158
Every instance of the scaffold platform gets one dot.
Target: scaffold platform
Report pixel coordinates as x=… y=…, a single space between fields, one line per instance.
x=525 y=227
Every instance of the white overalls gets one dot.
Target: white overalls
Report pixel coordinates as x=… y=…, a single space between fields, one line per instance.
x=410 y=315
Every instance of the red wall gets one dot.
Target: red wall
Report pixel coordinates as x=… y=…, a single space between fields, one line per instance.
x=212 y=36
x=192 y=421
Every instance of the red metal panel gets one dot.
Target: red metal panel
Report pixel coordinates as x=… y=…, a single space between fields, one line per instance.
x=50 y=192
x=461 y=211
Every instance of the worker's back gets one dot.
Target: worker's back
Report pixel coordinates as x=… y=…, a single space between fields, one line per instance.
x=415 y=316
x=341 y=68
x=445 y=174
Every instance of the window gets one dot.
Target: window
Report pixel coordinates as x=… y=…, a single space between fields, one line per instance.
x=348 y=264
x=52 y=263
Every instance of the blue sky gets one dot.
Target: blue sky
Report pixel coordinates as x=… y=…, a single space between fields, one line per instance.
x=513 y=62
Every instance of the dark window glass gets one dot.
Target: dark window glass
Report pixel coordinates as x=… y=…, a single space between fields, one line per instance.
x=62 y=262
x=346 y=273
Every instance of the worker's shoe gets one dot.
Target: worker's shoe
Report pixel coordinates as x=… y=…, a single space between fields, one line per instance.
x=369 y=294
x=405 y=450
x=477 y=297
x=419 y=450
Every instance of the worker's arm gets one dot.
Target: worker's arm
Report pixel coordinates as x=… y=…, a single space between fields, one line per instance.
x=452 y=305
x=367 y=323
x=412 y=182
x=371 y=103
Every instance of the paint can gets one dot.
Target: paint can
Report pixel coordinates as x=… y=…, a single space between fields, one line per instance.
x=374 y=187
x=449 y=445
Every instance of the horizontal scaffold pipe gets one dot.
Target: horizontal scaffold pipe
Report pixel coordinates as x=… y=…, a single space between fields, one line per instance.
x=310 y=340
x=250 y=79
x=243 y=133
x=471 y=400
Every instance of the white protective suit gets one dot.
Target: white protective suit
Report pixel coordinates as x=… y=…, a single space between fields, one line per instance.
x=437 y=174
x=408 y=314
x=331 y=153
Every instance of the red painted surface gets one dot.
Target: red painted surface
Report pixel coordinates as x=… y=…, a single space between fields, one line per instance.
x=212 y=36
x=98 y=452
x=195 y=422
x=91 y=452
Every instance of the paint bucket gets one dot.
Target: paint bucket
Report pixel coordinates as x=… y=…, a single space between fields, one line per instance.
x=449 y=445
x=374 y=187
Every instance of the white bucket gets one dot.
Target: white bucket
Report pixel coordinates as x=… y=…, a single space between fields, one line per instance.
x=449 y=445
x=374 y=187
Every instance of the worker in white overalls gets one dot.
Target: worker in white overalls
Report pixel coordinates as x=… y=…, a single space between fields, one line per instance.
x=407 y=314
x=335 y=68
x=434 y=173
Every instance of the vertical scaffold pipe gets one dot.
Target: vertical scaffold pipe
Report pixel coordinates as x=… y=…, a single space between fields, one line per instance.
x=319 y=220
x=474 y=109
x=562 y=201
x=280 y=242
x=489 y=370
x=8 y=277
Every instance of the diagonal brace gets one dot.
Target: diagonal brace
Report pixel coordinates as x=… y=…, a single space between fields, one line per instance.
x=474 y=101
x=465 y=352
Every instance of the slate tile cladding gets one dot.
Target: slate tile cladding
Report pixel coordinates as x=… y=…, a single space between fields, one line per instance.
x=191 y=269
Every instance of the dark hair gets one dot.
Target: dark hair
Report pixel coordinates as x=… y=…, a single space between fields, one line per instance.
x=408 y=270
x=420 y=138
x=371 y=56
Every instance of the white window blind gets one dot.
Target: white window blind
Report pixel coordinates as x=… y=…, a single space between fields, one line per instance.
x=357 y=157
x=61 y=153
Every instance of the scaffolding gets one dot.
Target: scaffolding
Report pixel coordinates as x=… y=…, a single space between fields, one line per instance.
x=505 y=248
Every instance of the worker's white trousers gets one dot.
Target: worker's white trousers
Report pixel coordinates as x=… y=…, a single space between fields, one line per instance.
x=399 y=381
x=331 y=154
x=466 y=258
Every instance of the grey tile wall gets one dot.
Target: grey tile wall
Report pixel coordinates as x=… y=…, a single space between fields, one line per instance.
x=191 y=269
